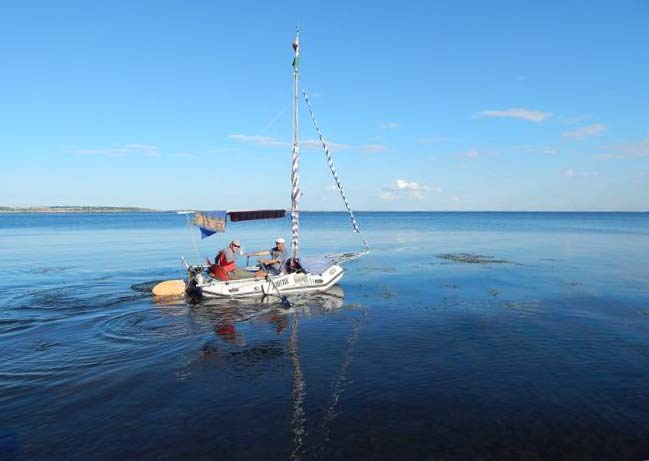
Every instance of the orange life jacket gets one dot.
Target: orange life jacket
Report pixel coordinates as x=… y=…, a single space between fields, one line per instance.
x=221 y=268
x=222 y=263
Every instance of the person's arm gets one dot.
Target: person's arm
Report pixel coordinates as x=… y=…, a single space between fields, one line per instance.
x=259 y=253
x=270 y=261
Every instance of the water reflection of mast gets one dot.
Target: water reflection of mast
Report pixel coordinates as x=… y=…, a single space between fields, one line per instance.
x=299 y=418
x=299 y=388
x=341 y=380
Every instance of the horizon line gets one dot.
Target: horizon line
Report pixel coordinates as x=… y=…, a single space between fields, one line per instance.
x=137 y=209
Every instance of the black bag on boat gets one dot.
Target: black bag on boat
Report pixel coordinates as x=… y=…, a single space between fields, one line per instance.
x=293 y=265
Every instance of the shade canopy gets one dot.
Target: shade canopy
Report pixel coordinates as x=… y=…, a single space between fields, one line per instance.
x=210 y=222
x=255 y=214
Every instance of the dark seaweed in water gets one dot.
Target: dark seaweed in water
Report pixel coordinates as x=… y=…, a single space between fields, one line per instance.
x=145 y=287
x=469 y=258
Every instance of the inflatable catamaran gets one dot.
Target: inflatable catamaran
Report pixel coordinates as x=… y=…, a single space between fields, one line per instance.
x=296 y=276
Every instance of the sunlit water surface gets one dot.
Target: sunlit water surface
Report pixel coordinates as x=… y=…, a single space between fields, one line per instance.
x=461 y=336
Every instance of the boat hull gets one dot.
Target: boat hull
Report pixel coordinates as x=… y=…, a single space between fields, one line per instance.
x=284 y=284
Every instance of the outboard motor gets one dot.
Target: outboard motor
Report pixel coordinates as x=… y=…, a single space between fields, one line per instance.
x=194 y=277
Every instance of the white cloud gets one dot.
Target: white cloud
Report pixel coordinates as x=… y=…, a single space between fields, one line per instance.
x=575 y=120
x=129 y=149
x=433 y=140
x=534 y=150
x=401 y=188
x=571 y=173
x=523 y=114
x=372 y=148
x=142 y=147
x=401 y=184
x=331 y=188
x=474 y=154
x=585 y=131
x=471 y=154
x=259 y=140
x=389 y=125
x=388 y=196
x=307 y=144
x=632 y=149
x=315 y=144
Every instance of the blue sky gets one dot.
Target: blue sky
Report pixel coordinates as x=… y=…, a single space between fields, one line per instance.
x=427 y=106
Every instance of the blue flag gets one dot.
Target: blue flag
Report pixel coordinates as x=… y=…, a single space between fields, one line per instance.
x=210 y=222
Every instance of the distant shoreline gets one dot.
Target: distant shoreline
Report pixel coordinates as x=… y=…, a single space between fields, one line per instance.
x=115 y=209
x=77 y=209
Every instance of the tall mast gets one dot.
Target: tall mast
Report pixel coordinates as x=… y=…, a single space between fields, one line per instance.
x=295 y=164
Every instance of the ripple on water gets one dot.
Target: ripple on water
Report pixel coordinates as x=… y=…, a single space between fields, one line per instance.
x=25 y=310
x=71 y=299
x=82 y=331
x=145 y=326
x=47 y=270
x=67 y=332
x=10 y=326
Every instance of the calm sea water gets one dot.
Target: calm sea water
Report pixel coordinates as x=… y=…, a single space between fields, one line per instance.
x=527 y=339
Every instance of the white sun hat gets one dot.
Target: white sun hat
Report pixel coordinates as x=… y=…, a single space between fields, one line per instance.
x=280 y=240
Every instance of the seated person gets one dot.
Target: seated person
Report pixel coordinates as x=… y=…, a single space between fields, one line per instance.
x=225 y=267
x=275 y=264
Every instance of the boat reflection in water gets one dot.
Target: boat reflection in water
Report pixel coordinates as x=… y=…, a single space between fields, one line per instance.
x=243 y=343
x=229 y=318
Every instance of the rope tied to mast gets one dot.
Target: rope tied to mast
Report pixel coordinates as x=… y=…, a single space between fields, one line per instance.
x=334 y=174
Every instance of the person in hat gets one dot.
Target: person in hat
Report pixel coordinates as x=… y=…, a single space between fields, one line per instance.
x=275 y=264
x=225 y=266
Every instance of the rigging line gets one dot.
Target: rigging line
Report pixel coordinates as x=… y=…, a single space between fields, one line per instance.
x=193 y=238
x=299 y=418
x=276 y=118
x=334 y=174
x=345 y=257
x=341 y=381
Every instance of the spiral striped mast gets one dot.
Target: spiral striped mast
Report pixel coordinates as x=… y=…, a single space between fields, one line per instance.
x=295 y=163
